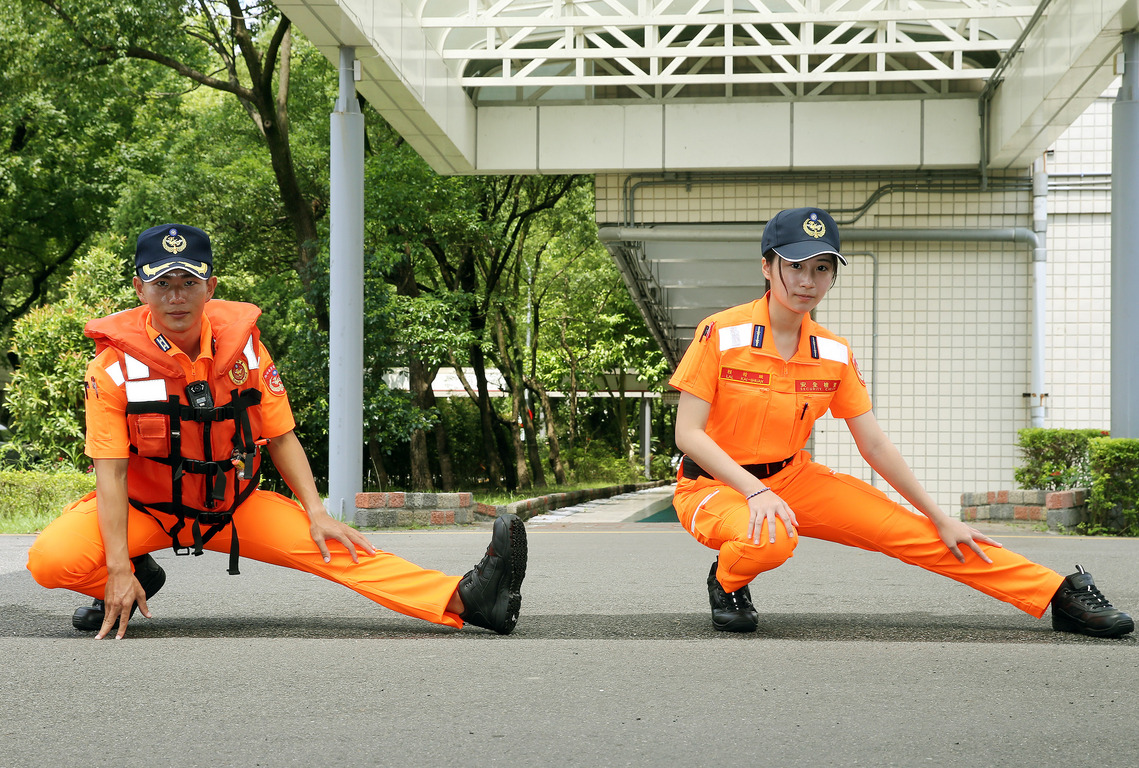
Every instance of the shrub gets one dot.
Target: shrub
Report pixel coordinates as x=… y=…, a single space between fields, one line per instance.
x=1055 y=459
x=1113 y=504
x=30 y=500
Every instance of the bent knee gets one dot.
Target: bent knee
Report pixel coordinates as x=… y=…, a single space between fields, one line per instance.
x=54 y=565
x=743 y=560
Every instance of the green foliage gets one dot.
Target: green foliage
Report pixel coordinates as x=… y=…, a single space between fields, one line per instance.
x=1113 y=505
x=1055 y=459
x=30 y=500
x=45 y=394
x=599 y=462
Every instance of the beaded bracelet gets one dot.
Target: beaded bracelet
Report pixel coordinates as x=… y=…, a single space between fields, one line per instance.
x=751 y=496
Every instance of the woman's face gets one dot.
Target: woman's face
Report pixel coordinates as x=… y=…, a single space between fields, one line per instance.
x=801 y=285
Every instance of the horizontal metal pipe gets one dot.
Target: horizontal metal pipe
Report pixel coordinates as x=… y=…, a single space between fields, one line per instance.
x=754 y=232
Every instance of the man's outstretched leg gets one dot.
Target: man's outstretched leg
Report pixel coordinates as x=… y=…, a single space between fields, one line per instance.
x=490 y=593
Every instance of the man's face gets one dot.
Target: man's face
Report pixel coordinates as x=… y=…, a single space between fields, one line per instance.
x=176 y=300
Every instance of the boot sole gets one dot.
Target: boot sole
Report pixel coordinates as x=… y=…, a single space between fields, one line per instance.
x=518 y=557
x=1062 y=623
x=740 y=624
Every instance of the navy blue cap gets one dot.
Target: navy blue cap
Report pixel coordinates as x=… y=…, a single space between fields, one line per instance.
x=798 y=234
x=168 y=247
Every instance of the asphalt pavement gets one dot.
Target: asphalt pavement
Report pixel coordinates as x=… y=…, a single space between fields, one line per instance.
x=859 y=661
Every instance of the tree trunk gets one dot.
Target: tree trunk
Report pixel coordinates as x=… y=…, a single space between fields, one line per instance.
x=376 y=454
x=551 y=433
x=419 y=382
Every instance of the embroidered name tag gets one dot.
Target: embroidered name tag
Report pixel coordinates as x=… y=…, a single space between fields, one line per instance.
x=817 y=385
x=745 y=377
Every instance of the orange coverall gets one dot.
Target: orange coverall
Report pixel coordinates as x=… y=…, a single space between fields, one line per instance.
x=270 y=528
x=762 y=411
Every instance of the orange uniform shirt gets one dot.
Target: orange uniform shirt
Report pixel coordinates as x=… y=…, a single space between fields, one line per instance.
x=762 y=406
x=106 y=400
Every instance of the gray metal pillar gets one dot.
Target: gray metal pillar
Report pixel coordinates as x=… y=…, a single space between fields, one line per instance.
x=1125 y=247
x=647 y=435
x=346 y=297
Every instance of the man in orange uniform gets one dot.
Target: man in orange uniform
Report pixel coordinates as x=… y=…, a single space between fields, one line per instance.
x=752 y=383
x=180 y=398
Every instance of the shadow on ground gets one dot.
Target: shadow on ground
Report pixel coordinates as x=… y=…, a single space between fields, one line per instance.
x=848 y=627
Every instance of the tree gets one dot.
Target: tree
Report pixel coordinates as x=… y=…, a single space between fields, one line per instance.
x=67 y=132
x=46 y=392
x=241 y=49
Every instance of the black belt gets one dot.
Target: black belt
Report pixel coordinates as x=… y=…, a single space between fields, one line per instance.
x=691 y=470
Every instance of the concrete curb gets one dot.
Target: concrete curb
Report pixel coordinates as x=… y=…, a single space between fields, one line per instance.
x=403 y=509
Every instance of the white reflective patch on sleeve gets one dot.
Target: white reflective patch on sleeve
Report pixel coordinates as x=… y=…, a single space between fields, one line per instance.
x=733 y=336
x=251 y=355
x=116 y=374
x=136 y=369
x=829 y=349
x=146 y=391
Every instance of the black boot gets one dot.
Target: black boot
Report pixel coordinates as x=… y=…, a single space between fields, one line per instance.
x=731 y=611
x=491 y=591
x=89 y=618
x=1079 y=607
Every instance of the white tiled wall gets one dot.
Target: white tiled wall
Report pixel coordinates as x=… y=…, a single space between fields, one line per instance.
x=954 y=319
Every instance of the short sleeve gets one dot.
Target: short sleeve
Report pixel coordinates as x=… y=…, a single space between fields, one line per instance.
x=276 y=413
x=697 y=372
x=105 y=404
x=852 y=398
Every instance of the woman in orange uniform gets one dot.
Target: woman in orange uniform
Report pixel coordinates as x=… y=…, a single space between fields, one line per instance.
x=753 y=382
x=180 y=399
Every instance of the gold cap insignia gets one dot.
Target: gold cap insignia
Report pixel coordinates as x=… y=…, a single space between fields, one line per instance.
x=174 y=242
x=813 y=227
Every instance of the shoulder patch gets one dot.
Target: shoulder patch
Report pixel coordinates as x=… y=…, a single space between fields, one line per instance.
x=733 y=336
x=273 y=381
x=829 y=349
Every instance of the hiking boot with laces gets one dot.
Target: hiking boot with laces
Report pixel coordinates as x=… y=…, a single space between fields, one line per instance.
x=491 y=591
x=1079 y=607
x=89 y=618
x=731 y=611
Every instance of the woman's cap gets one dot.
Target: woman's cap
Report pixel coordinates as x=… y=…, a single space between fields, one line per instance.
x=798 y=234
x=168 y=247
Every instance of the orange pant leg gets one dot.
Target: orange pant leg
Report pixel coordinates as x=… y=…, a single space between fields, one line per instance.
x=846 y=510
x=718 y=517
x=69 y=554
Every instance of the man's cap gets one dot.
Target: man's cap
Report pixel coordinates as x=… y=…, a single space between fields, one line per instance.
x=168 y=247
x=798 y=234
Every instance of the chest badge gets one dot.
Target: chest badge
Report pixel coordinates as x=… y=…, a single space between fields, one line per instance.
x=239 y=373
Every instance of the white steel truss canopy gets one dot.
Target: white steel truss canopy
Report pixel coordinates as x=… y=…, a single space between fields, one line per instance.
x=546 y=86
x=604 y=49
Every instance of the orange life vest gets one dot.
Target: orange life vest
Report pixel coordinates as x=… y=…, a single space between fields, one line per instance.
x=194 y=445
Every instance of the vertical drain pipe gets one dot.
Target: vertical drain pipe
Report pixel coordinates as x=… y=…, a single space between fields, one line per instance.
x=1037 y=394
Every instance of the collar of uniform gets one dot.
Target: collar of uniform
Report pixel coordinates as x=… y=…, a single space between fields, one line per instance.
x=205 y=342
x=761 y=315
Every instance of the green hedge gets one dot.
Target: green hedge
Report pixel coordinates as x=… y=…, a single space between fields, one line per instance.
x=30 y=500
x=1113 y=505
x=1055 y=459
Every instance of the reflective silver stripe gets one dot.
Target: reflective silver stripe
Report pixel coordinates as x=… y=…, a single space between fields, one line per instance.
x=251 y=355
x=146 y=391
x=700 y=506
x=116 y=374
x=136 y=369
x=733 y=336
x=829 y=349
